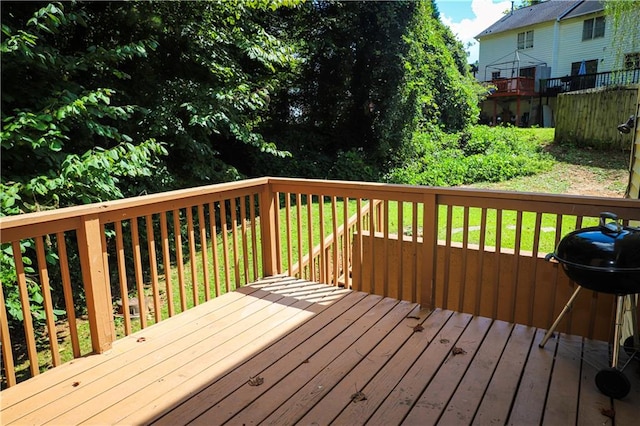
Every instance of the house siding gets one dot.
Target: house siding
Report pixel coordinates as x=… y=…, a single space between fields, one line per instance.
x=542 y=44
x=573 y=49
x=501 y=48
x=558 y=27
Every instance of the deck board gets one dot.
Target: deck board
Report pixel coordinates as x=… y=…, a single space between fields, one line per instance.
x=592 y=402
x=434 y=399
x=494 y=408
x=381 y=385
x=562 y=399
x=207 y=342
x=329 y=407
x=292 y=410
x=468 y=396
x=315 y=346
x=529 y=402
x=404 y=395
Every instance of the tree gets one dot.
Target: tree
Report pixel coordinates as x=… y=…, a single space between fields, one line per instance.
x=625 y=16
x=82 y=81
x=438 y=76
x=372 y=72
x=527 y=3
x=208 y=84
x=60 y=139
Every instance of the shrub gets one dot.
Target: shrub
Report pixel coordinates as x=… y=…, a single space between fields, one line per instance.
x=353 y=165
x=480 y=153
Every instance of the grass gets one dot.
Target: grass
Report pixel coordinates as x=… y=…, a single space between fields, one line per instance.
x=575 y=171
x=546 y=241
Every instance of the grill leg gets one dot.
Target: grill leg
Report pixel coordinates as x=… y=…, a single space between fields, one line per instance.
x=566 y=309
x=634 y=321
x=617 y=331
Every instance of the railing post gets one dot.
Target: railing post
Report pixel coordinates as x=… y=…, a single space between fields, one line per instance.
x=97 y=291
x=427 y=289
x=268 y=212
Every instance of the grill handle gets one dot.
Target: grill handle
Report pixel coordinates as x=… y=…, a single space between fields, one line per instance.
x=611 y=227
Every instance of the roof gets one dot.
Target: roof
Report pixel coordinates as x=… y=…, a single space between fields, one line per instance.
x=584 y=8
x=546 y=11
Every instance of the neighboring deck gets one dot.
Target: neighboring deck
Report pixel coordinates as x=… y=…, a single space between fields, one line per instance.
x=286 y=351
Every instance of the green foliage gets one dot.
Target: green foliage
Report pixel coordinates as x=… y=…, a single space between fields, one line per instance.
x=372 y=72
x=353 y=165
x=528 y=3
x=347 y=94
x=60 y=141
x=478 y=154
x=437 y=78
x=625 y=16
x=82 y=82
x=10 y=286
x=206 y=87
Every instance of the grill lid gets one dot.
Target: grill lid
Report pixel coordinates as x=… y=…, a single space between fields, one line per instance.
x=608 y=247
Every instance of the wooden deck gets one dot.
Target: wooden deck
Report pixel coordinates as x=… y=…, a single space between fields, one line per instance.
x=285 y=351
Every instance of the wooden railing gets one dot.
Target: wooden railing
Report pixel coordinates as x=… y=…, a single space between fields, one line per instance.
x=131 y=263
x=516 y=86
x=128 y=264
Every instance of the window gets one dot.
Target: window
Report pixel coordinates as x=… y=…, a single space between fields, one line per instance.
x=495 y=75
x=525 y=40
x=632 y=61
x=593 y=28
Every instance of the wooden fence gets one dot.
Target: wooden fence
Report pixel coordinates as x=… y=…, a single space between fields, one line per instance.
x=591 y=117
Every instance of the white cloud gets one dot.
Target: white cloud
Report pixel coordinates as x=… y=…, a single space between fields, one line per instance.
x=486 y=13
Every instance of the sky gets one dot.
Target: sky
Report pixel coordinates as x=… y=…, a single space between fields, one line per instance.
x=468 y=18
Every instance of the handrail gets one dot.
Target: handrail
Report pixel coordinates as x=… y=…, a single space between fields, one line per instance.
x=514 y=86
x=331 y=240
x=102 y=248
x=588 y=81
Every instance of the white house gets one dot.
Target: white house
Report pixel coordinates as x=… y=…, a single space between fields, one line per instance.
x=535 y=52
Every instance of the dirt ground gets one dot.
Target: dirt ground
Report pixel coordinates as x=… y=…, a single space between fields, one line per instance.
x=576 y=172
x=587 y=182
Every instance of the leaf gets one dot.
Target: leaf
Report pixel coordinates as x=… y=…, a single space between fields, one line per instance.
x=607 y=412
x=418 y=328
x=458 y=351
x=358 y=396
x=255 y=381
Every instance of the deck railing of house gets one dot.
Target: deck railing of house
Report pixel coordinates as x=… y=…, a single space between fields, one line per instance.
x=553 y=86
x=132 y=263
x=517 y=86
